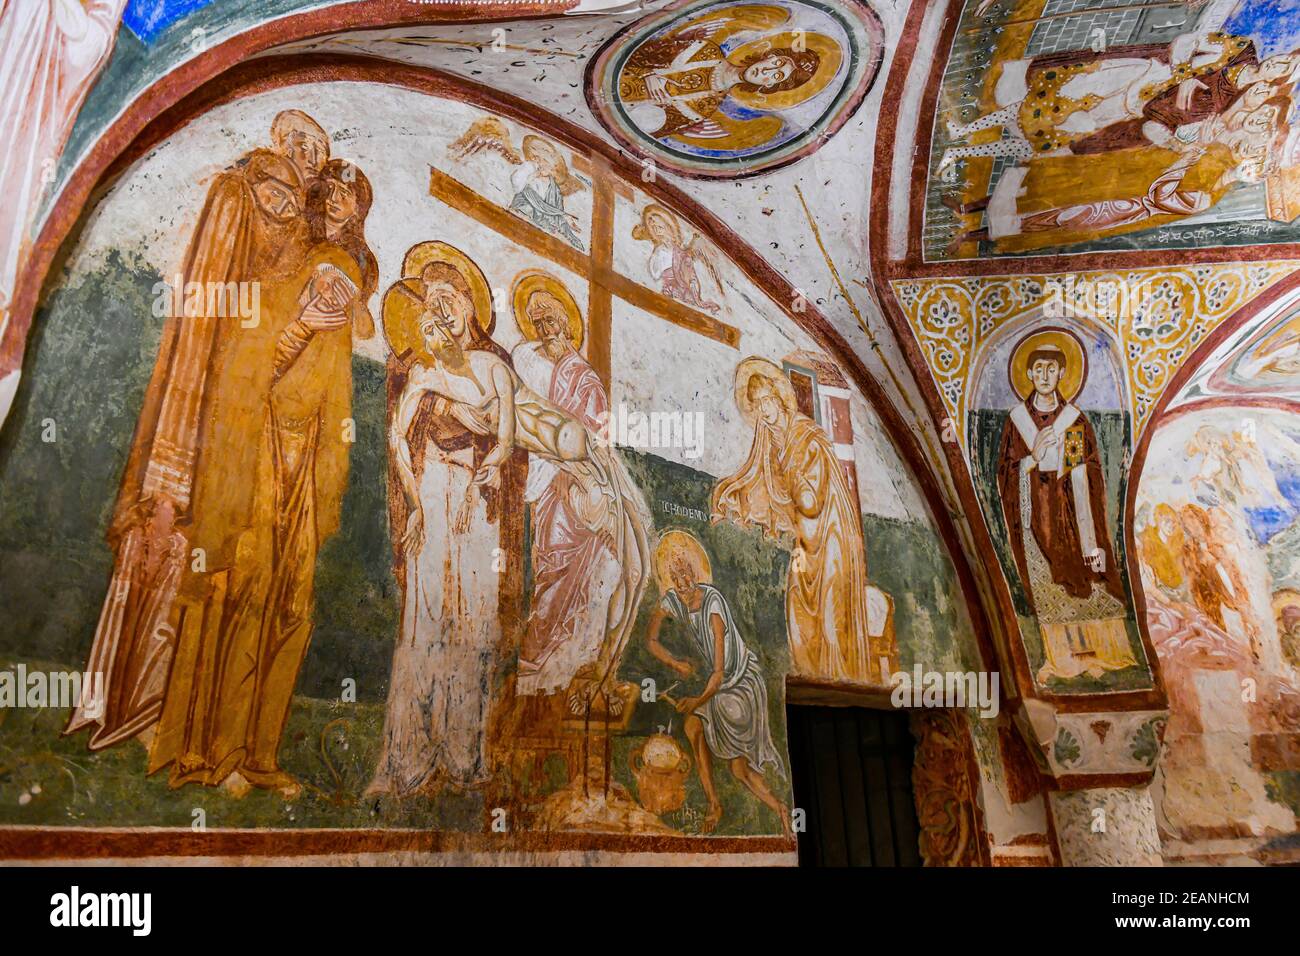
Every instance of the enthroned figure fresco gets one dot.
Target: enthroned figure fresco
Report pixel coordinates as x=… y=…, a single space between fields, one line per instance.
x=792 y=486
x=238 y=469
x=1054 y=485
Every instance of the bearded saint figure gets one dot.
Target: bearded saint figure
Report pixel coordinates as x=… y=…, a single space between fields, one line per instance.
x=575 y=570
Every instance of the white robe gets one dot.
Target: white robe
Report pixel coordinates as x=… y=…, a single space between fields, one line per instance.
x=439 y=692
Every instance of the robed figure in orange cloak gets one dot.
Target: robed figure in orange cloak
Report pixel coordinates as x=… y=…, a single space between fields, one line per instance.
x=792 y=484
x=251 y=213
x=267 y=497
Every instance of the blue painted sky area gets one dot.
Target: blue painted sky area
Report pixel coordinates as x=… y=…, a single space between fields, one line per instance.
x=148 y=18
x=1274 y=25
x=156 y=36
x=1266 y=522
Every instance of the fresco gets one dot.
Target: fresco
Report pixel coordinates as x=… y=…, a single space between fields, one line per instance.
x=389 y=488
x=1049 y=434
x=1258 y=358
x=1216 y=532
x=50 y=55
x=718 y=89
x=1156 y=126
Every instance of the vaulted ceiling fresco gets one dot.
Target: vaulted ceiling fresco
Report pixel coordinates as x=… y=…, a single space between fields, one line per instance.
x=970 y=328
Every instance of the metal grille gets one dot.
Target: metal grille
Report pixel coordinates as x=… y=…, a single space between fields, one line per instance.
x=852 y=770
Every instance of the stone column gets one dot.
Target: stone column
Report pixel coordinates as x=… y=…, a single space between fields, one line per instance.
x=1106 y=826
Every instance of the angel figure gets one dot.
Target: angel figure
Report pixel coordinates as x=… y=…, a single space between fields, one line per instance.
x=672 y=262
x=541 y=178
x=689 y=84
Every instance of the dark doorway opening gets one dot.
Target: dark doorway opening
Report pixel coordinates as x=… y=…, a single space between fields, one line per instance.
x=851 y=768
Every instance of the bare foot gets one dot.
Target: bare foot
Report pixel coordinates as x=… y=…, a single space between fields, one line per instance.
x=236 y=786
x=712 y=818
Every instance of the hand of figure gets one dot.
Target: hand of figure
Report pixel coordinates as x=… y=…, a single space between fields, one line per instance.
x=1186 y=89
x=323 y=321
x=413 y=540
x=657 y=87
x=1046 y=440
x=687 y=704
x=489 y=476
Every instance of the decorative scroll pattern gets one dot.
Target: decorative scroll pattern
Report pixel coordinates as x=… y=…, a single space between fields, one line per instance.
x=951 y=834
x=1156 y=316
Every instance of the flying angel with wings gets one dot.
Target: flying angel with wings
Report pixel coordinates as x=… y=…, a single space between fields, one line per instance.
x=541 y=178
x=679 y=86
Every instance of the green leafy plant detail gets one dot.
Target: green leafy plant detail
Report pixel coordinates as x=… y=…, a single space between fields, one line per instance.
x=1066 y=748
x=1145 y=745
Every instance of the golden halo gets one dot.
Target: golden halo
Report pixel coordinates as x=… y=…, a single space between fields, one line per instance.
x=404 y=300
x=769 y=370
x=1287 y=597
x=1073 y=375
x=528 y=283
x=829 y=59
x=673 y=543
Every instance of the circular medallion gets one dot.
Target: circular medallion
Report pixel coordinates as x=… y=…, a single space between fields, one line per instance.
x=726 y=90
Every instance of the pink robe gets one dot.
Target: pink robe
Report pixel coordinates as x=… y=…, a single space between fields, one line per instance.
x=574 y=569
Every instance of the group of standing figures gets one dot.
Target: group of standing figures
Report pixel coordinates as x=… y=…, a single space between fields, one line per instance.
x=239 y=463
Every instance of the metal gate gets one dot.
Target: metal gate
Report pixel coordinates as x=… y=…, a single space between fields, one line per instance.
x=852 y=776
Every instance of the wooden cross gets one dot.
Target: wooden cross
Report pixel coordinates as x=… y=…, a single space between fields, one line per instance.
x=597 y=266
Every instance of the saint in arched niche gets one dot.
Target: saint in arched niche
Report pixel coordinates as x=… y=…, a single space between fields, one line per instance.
x=1050 y=453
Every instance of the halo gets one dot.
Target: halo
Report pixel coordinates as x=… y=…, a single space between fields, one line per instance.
x=769 y=370
x=1287 y=597
x=672 y=543
x=404 y=301
x=653 y=208
x=829 y=59
x=529 y=282
x=1073 y=375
